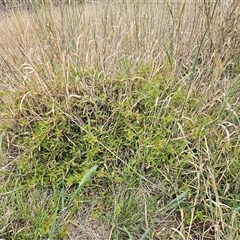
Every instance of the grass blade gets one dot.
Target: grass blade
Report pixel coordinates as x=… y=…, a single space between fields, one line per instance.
x=1 y=151
x=54 y=223
x=85 y=179
x=175 y=202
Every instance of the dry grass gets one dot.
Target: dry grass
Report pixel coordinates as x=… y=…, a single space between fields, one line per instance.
x=145 y=90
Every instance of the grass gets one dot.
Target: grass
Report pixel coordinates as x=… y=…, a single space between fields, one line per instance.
x=120 y=120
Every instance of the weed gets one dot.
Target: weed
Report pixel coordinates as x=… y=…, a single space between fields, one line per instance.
x=145 y=91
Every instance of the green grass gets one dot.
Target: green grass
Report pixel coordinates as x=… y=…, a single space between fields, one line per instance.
x=120 y=121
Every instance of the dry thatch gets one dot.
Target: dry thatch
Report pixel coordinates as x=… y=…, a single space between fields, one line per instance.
x=6 y=4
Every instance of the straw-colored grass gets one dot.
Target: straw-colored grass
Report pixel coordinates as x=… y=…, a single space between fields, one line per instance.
x=147 y=91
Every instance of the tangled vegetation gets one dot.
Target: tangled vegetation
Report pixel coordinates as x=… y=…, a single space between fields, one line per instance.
x=120 y=120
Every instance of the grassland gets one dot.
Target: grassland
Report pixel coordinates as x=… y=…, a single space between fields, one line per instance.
x=120 y=120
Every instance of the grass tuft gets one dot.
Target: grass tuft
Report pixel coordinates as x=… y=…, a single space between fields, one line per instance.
x=147 y=92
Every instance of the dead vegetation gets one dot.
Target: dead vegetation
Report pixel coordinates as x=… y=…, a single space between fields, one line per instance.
x=148 y=92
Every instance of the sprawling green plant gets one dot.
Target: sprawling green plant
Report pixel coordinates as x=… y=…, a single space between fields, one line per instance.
x=145 y=91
